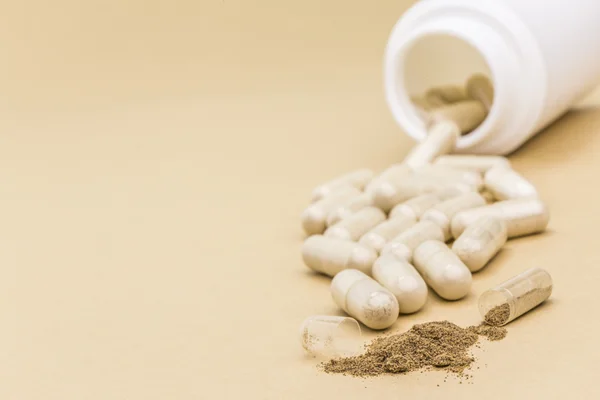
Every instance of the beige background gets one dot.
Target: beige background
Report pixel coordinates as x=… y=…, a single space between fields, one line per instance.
x=154 y=159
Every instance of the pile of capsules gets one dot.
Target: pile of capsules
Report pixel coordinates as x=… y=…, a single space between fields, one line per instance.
x=385 y=239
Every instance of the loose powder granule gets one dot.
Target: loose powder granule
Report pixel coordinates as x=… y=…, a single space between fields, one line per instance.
x=432 y=345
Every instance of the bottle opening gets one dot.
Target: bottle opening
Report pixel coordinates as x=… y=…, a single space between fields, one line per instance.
x=445 y=77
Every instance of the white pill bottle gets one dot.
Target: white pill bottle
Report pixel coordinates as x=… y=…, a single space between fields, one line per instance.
x=542 y=56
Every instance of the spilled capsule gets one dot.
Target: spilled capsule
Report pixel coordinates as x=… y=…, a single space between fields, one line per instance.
x=402 y=279
x=480 y=242
x=415 y=207
x=349 y=207
x=357 y=224
x=480 y=164
x=442 y=213
x=522 y=217
x=443 y=271
x=505 y=184
x=402 y=246
x=329 y=256
x=357 y=179
x=365 y=299
x=314 y=217
x=377 y=237
x=441 y=139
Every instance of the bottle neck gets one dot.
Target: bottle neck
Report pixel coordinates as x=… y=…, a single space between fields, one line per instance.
x=507 y=48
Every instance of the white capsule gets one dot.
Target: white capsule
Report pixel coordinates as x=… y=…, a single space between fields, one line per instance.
x=480 y=242
x=416 y=206
x=479 y=87
x=348 y=208
x=314 y=216
x=442 y=95
x=364 y=299
x=358 y=179
x=402 y=246
x=506 y=184
x=442 y=213
x=479 y=164
x=522 y=217
x=403 y=280
x=467 y=115
x=388 y=195
x=377 y=237
x=441 y=139
x=391 y=175
x=330 y=255
x=448 y=174
x=454 y=190
x=357 y=224
x=443 y=271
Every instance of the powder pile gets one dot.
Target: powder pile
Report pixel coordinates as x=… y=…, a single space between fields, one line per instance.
x=498 y=315
x=440 y=345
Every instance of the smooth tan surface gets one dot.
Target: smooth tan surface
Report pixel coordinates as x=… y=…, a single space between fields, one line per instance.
x=155 y=157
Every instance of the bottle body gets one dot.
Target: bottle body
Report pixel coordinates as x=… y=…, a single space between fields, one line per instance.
x=541 y=56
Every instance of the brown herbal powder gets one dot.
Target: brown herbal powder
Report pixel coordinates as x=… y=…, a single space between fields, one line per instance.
x=438 y=345
x=498 y=315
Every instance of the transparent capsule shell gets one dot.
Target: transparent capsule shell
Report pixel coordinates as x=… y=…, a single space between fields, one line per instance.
x=514 y=297
x=325 y=336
